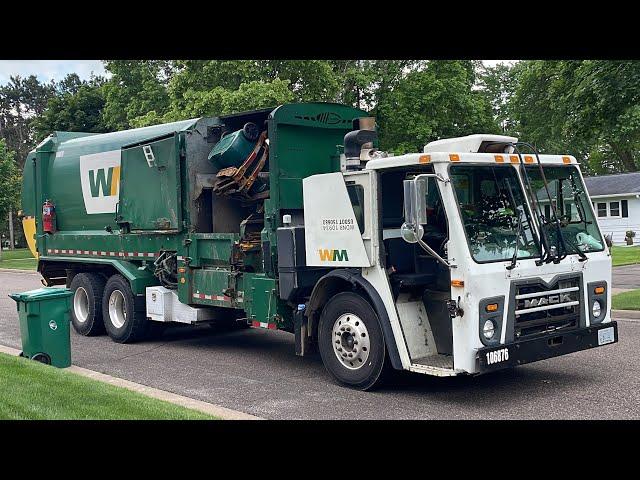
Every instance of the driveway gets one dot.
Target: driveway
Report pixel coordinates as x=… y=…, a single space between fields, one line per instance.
x=626 y=278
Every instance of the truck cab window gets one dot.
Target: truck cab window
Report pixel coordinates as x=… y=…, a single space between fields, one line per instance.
x=356 y=196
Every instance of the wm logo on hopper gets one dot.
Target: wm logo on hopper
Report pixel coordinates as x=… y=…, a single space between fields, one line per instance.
x=104 y=182
x=333 y=255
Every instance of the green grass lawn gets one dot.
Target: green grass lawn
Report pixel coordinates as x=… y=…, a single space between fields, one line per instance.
x=32 y=391
x=625 y=255
x=627 y=300
x=20 y=258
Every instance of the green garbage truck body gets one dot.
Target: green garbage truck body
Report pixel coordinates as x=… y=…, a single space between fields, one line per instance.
x=117 y=211
x=289 y=218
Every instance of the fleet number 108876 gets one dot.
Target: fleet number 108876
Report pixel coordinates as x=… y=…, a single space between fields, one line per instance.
x=497 y=356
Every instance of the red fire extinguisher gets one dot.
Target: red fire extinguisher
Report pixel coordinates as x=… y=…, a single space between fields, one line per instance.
x=48 y=217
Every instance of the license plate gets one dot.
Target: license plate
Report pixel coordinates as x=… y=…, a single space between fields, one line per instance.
x=497 y=356
x=605 y=336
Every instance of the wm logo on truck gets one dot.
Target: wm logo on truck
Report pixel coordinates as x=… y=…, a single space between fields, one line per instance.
x=333 y=255
x=100 y=181
x=104 y=182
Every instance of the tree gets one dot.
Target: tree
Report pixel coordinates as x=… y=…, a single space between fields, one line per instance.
x=10 y=181
x=76 y=107
x=22 y=100
x=590 y=109
x=136 y=88
x=431 y=103
x=498 y=84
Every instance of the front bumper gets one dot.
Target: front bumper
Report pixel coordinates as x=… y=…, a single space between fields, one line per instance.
x=527 y=351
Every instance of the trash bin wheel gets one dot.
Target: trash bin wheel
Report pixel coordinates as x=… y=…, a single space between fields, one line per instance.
x=42 y=358
x=123 y=322
x=86 y=306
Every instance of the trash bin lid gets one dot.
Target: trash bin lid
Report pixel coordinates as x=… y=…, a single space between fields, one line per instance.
x=46 y=293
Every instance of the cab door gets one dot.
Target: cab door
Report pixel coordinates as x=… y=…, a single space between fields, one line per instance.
x=150 y=189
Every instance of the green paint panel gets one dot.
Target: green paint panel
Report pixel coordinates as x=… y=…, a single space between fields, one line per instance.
x=211 y=248
x=261 y=298
x=150 y=192
x=62 y=182
x=213 y=283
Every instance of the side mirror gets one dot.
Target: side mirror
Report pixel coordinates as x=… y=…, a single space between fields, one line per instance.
x=415 y=208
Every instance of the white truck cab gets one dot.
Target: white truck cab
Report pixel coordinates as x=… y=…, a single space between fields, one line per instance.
x=466 y=258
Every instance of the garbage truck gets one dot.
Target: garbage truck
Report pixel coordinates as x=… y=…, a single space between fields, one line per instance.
x=474 y=255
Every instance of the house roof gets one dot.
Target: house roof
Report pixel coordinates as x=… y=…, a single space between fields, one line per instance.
x=613 y=184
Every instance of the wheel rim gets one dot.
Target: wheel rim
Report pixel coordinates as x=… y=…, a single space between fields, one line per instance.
x=350 y=339
x=117 y=310
x=81 y=305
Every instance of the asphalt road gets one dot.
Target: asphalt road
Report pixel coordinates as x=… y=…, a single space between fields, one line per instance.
x=627 y=277
x=256 y=371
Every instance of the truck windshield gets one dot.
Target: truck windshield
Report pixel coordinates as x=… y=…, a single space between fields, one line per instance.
x=492 y=206
x=571 y=203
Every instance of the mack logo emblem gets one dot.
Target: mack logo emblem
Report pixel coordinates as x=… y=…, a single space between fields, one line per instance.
x=550 y=300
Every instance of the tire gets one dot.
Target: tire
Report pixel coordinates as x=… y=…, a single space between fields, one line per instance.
x=350 y=323
x=124 y=324
x=42 y=358
x=86 y=306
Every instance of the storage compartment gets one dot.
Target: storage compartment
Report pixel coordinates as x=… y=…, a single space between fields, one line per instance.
x=295 y=279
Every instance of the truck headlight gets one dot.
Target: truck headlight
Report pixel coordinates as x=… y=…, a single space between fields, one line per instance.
x=596 y=309
x=488 y=329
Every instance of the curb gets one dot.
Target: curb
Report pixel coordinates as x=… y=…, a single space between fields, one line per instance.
x=635 y=314
x=18 y=270
x=204 y=407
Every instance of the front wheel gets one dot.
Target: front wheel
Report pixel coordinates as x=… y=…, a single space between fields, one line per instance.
x=123 y=323
x=351 y=342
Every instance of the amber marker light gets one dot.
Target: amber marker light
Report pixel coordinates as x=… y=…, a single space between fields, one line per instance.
x=566 y=159
x=492 y=307
x=499 y=159
x=425 y=158
x=457 y=283
x=598 y=290
x=514 y=159
x=454 y=157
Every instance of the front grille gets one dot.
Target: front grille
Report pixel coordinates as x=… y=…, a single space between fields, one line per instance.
x=542 y=308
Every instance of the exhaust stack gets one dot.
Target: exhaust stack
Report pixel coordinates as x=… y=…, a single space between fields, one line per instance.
x=358 y=144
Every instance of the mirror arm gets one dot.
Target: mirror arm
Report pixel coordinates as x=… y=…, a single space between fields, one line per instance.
x=433 y=253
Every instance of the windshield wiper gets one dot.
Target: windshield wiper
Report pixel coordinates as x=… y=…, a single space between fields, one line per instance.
x=561 y=242
x=536 y=210
x=514 y=258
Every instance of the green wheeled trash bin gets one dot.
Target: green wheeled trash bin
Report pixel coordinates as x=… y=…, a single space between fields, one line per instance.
x=44 y=316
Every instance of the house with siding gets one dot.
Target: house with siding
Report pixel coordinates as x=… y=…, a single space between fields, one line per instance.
x=616 y=201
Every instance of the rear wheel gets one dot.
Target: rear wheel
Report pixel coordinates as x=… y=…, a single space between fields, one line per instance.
x=351 y=342
x=86 y=314
x=123 y=322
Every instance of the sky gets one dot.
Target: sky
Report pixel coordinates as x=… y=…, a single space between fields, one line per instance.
x=47 y=70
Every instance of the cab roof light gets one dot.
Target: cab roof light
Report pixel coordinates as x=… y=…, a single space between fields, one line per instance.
x=598 y=290
x=425 y=158
x=457 y=283
x=499 y=158
x=492 y=307
x=566 y=159
x=454 y=157
x=528 y=159
x=514 y=159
